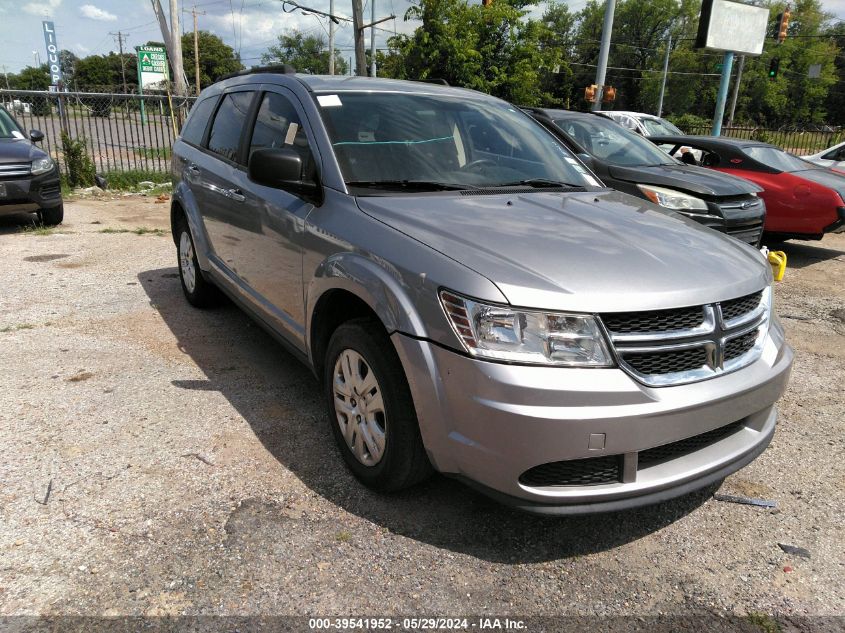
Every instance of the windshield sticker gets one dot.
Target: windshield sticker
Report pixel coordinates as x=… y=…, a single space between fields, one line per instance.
x=292 y=129
x=16 y=134
x=329 y=101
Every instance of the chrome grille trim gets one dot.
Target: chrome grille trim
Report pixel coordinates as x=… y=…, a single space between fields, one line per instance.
x=12 y=170
x=712 y=337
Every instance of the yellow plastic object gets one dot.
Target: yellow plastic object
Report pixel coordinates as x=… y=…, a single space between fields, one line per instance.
x=777 y=260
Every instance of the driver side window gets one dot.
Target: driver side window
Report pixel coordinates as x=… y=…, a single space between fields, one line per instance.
x=278 y=125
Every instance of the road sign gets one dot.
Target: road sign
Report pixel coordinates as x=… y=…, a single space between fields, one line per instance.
x=152 y=65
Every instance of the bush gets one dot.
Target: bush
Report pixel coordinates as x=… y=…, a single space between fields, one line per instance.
x=689 y=122
x=80 y=167
x=129 y=179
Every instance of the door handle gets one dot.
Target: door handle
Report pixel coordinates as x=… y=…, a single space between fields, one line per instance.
x=193 y=168
x=236 y=195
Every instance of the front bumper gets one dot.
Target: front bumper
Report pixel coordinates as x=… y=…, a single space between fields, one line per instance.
x=490 y=423
x=26 y=194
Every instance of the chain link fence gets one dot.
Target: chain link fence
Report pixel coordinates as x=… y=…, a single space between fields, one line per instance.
x=121 y=132
x=796 y=140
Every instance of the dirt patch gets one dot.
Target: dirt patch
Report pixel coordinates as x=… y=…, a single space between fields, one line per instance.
x=45 y=258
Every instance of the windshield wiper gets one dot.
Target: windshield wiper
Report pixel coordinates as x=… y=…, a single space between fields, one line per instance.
x=413 y=185
x=540 y=183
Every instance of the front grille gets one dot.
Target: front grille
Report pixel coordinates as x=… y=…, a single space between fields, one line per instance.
x=670 y=347
x=654 y=321
x=686 y=446
x=14 y=170
x=669 y=362
x=750 y=234
x=740 y=345
x=575 y=472
x=738 y=307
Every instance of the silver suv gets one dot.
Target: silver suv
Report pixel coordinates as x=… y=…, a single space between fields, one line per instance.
x=473 y=300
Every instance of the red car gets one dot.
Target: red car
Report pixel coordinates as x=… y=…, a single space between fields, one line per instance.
x=803 y=201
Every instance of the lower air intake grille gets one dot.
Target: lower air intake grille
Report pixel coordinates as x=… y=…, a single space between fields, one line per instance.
x=669 y=362
x=666 y=452
x=575 y=472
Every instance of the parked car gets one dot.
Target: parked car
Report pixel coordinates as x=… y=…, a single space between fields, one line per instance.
x=832 y=157
x=803 y=201
x=29 y=178
x=642 y=123
x=471 y=298
x=627 y=162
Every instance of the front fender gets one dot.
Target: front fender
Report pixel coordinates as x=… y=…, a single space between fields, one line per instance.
x=184 y=199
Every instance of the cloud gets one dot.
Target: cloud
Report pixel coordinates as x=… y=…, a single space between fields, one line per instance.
x=46 y=7
x=81 y=49
x=95 y=13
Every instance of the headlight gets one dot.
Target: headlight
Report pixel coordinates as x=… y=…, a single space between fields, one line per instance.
x=42 y=166
x=521 y=336
x=671 y=199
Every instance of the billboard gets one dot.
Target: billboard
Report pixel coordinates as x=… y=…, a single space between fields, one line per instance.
x=52 y=53
x=730 y=26
x=152 y=66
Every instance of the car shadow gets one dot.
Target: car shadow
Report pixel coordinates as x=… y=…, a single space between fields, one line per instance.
x=281 y=401
x=16 y=223
x=802 y=254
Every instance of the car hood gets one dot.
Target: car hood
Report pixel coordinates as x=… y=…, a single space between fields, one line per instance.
x=18 y=150
x=586 y=252
x=825 y=177
x=697 y=180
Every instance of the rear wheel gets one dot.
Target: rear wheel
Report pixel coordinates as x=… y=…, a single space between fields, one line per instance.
x=52 y=217
x=370 y=408
x=199 y=292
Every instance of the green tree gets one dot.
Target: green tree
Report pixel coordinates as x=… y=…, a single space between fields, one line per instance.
x=306 y=53
x=216 y=58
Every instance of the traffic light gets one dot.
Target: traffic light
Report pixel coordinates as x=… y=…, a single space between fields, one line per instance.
x=590 y=93
x=774 y=66
x=608 y=94
x=783 y=24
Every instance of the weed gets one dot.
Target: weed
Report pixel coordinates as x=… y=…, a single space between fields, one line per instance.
x=36 y=228
x=343 y=537
x=80 y=167
x=141 y=230
x=16 y=327
x=763 y=621
x=128 y=180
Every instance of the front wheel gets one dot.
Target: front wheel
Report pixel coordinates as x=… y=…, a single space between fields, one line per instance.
x=52 y=217
x=370 y=408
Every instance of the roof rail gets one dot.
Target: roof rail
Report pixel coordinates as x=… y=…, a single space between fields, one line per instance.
x=281 y=69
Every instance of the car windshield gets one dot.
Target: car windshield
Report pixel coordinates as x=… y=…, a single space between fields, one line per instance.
x=776 y=158
x=8 y=127
x=613 y=144
x=395 y=139
x=660 y=127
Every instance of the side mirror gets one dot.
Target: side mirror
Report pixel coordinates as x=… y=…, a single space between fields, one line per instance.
x=280 y=168
x=588 y=161
x=36 y=136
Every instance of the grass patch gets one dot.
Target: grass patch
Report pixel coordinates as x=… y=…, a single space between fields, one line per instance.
x=764 y=622
x=343 y=537
x=128 y=180
x=154 y=152
x=36 y=228
x=17 y=326
x=141 y=230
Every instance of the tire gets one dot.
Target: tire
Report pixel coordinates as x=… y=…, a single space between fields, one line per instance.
x=52 y=217
x=373 y=368
x=199 y=292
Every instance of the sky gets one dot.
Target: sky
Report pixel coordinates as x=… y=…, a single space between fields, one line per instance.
x=90 y=26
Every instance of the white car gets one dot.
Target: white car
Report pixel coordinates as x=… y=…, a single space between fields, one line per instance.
x=644 y=124
x=833 y=157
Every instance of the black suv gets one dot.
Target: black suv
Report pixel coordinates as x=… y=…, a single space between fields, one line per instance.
x=29 y=178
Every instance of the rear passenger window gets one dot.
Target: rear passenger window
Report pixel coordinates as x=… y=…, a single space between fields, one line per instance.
x=278 y=125
x=194 y=127
x=225 y=137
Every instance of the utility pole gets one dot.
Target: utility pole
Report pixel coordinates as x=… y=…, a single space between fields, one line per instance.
x=604 y=51
x=169 y=35
x=120 y=37
x=6 y=75
x=195 y=13
x=665 y=73
x=331 y=38
x=735 y=95
x=373 y=38
x=358 y=27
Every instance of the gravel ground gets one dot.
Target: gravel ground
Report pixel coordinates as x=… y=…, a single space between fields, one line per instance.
x=160 y=460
